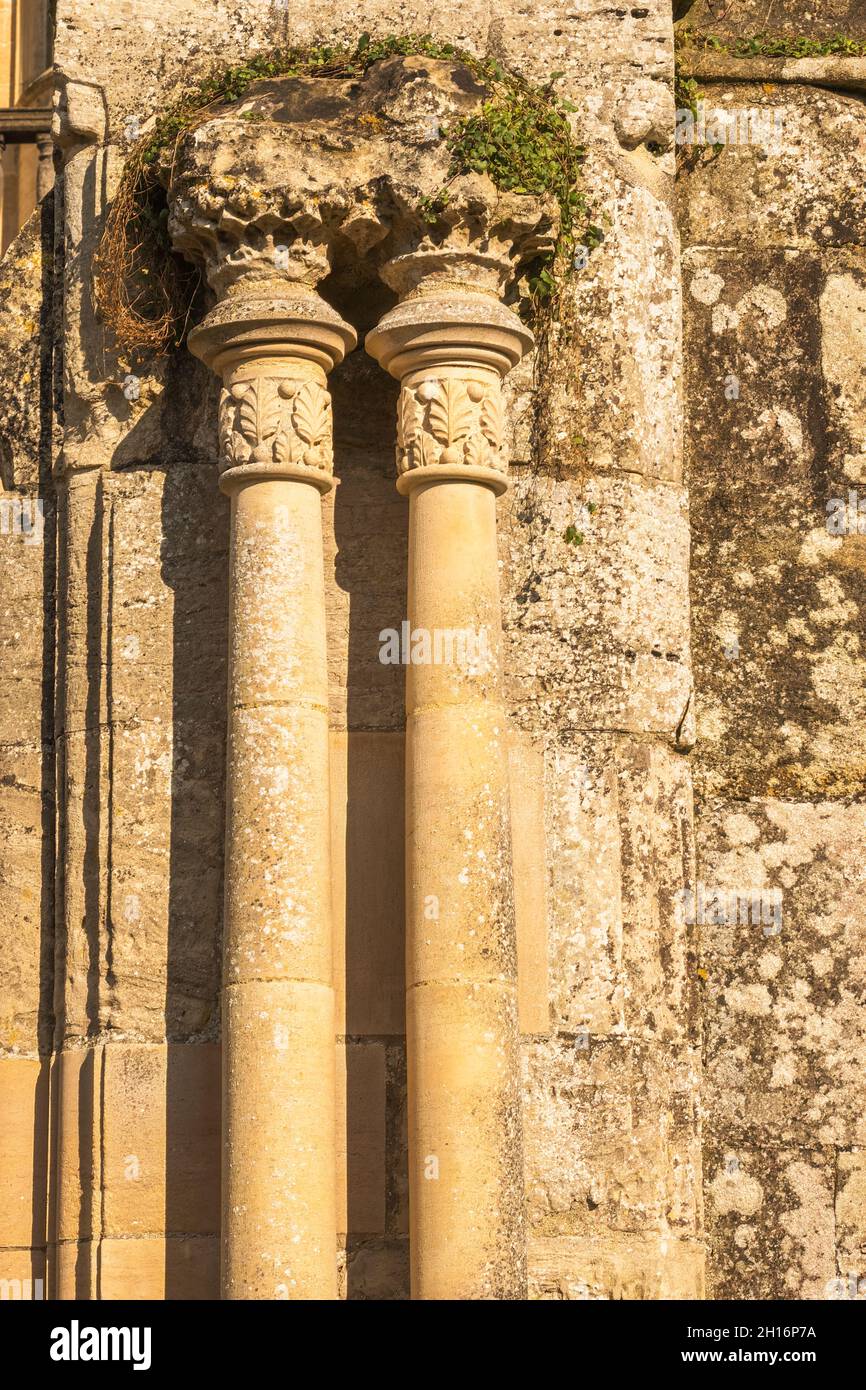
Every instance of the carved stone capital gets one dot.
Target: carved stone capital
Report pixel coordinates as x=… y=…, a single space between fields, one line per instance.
x=273 y=353
x=450 y=349
x=307 y=177
x=235 y=236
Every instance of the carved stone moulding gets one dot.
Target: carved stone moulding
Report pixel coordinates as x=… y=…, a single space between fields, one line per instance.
x=450 y=420
x=285 y=320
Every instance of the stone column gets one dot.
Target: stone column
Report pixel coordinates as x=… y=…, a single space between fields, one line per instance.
x=449 y=343
x=45 y=165
x=273 y=344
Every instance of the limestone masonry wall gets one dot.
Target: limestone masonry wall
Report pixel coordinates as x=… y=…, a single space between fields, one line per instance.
x=674 y=608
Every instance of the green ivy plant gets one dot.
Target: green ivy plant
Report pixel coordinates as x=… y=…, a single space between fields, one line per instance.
x=687 y=93
x=770 y=45
x=686 y=40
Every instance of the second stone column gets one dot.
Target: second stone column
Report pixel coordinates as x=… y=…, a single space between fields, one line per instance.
x=450 y=346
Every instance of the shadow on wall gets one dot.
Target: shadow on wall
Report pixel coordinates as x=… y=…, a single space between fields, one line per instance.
x=195 y=541
x=370 y=531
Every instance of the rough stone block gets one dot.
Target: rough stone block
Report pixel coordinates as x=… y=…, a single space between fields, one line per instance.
x=23 y=1152
x=777 y=599
x=596 y=632
x=807 y=188
x=572 y=1268
x=783 y=1003
x=770 y=1222
x=611 y=1138
x=623 y=959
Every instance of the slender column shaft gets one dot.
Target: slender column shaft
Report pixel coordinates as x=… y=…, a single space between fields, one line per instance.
x=466 y=1179
x=467 y=1237
x=279 y=1214
x=279 y=1109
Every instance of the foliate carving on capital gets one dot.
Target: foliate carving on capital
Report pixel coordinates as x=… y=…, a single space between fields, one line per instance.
x=451 y=421
x=276 y=419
